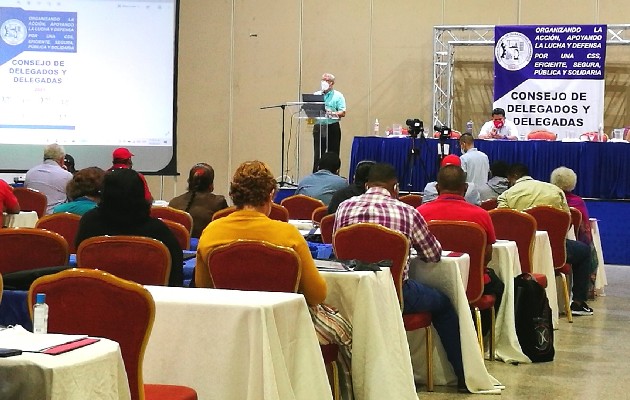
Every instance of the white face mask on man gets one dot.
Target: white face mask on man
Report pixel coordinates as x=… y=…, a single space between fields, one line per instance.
x=325 y=86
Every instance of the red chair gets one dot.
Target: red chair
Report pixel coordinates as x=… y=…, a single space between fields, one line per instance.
x=541 y=135
x=31 y=200
x=469 y=237
x=356 y=242
x=180 y=232
x=139 y=259
x=31 y=248
x=318 y=214
x=262 y=266
x=576 y=220
x=300 y=206
x=326 y=228
x=489 y=204
x=84 y=301
x=279 y=213
x=173 y=214
x=223 y=213
x=65 y=224
x=519 y=227
x=414 y=200
x=556 y=222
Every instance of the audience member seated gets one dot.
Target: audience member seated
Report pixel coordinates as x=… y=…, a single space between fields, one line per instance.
x=379 y=205
x=199 y=201
x=252 y=190
x=430 y=192
x=322 y=184
x=497 y=184
x=83 y=190
x=357 y=187
x=499 y=127
x=8 y=202
x=526 y=192
x=124 y=210
x=451 y=206
x=50 y=178
x=474 y=162
x=121 y=158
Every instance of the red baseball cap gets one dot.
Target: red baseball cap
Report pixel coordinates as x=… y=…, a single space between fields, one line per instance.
x=122 y=153
x=451 y=159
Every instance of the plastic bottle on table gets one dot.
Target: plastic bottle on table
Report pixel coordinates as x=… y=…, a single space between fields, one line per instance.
x=470 y=126
x=40 y=314
x=376 y=128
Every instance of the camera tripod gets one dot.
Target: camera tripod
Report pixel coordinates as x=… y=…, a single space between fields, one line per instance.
x=414 y=155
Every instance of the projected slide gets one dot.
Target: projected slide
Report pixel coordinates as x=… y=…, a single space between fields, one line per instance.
x=88 y=73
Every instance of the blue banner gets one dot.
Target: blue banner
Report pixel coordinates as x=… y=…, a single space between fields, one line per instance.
x=551 y=77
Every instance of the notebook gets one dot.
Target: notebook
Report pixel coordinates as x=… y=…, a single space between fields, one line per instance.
x=313 y=110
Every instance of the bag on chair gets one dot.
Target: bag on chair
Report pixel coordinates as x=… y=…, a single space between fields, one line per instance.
x=532 y=313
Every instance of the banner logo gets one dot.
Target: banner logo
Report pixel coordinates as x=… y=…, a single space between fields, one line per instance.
x=13 y=32
x=513 y=51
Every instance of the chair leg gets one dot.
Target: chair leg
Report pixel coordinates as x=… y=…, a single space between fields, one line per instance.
x=479 y=331
x=492 y=336
x=567 y=304
x=429 y=346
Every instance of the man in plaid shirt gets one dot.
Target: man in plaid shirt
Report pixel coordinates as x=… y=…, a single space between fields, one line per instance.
x=380 y=205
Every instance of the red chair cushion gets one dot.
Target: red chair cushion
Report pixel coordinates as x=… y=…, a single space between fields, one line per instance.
x=416 y=321
x=329 y=352
x=565 y=269
x=541 y=279
x=485 y=302
x=168 y=392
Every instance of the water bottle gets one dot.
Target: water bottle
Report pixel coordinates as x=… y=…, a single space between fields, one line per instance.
x=469 y=126
x=40 y=314
x=376 y=127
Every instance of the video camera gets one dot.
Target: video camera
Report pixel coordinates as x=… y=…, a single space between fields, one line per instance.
x=445 y=132
x=415 y=127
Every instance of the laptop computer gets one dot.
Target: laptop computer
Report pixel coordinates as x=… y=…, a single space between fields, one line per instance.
x=313 y=110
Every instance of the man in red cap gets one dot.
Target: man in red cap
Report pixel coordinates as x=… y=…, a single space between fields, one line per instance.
x=122 y=159
x=430 y=192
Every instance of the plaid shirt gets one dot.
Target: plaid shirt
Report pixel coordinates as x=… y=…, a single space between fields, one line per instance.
x=377 y=206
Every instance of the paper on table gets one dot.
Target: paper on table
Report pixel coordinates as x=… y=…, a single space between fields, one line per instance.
x=325 y=265
x=17 y=337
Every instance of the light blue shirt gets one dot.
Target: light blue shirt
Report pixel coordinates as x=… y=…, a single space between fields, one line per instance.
x=430 y=193
x=79 y=206
x=333 y=101
x=476 y=166
x=321 y=185
x=50 y=179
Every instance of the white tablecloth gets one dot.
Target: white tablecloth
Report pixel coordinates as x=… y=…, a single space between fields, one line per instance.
x=446 y=277
x=601 y=280
x=381 y=364
x=542 y=263
x=25 y=219
x=92 y=372
x=229 y=344
x=506 y=265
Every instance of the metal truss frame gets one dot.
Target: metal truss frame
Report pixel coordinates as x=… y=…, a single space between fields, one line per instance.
x=447 y=37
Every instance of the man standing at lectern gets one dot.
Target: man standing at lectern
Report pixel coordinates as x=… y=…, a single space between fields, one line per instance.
x=327 y=132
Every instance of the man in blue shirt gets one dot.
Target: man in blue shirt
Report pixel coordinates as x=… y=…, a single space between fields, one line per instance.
x=326 y=181
x=327 y=132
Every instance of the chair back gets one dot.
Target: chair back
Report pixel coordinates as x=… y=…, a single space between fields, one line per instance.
x=223 y=212
x=31 y=200
x=541 y=135
x=1 y=287
x=369 y=242
x=489 y=204
x=466 y=237
x=95 y=303
x=180 y=232
x=326 y=228
x=173 y=214
x=556 y=222
x=414 y=200
x=318 y=214
x=279 y=213
x=139 y=259
x=576 y=220
x=65 y=224
x=31 y=248
x=255 y=265
x=301 y=206
x=519 y=227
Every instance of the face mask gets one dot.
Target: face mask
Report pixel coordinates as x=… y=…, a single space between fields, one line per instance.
x=325 y=86
x=498 y=123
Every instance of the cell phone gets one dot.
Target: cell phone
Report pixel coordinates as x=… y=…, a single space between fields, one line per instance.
x=10 y=352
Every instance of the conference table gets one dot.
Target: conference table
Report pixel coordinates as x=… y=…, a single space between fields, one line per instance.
x=25 y=219
x=230 y=344
x=542 y=157
x=542 y=263
x=601 y=281
x=94 y=372
x=448 y=276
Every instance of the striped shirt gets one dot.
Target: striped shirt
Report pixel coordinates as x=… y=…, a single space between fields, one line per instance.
x=377 y=206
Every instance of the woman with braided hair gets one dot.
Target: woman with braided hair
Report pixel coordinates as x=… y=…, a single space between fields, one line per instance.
x=199 y=201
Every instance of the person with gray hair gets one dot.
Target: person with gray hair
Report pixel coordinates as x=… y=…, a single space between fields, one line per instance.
x=50 y=177
x=327 y=131
x=566 y=179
